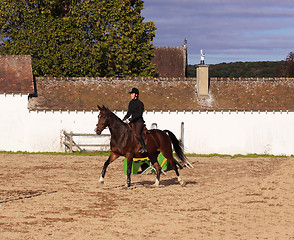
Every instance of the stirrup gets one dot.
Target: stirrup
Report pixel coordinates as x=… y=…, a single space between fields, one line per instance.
x=142 y=150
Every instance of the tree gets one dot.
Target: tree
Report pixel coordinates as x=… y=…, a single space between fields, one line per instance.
x=289 y=65
x=79 y=37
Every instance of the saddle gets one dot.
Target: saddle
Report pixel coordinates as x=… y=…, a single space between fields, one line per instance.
x=143 y=132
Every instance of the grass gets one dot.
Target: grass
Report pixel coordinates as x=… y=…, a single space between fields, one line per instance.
x=254 y=155
x=61 y=153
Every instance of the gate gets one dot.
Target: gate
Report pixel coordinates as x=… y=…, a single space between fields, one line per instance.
x=86 y=142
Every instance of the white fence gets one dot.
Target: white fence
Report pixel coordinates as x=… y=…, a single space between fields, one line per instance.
x=86 y=141
x=204 y=132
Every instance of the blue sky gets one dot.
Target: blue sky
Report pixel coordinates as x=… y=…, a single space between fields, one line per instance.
x=226 y=30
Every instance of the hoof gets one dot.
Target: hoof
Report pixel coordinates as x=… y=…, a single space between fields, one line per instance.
x=101 y=180
x=181 y=181
x=156 y=184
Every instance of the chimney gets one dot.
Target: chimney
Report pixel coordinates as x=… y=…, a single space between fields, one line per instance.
x=202 y=80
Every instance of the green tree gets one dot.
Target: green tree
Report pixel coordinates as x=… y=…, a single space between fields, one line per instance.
x=79 y=37
x=245 y=69
x=289 y=65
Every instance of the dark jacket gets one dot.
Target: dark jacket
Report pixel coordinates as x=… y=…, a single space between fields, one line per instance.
x=135 y=110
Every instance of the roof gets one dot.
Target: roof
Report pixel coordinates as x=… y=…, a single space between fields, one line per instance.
x=163 y=94
x=87 y=93
x=16 y=74
x=170 y=61
x=250 y=94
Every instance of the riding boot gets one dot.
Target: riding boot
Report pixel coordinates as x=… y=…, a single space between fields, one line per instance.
x=143 y=146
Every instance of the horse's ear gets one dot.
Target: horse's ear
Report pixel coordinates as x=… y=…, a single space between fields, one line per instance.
x=99 y=107
x=104 y=107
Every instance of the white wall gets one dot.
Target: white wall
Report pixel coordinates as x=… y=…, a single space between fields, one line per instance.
x=205 y=132
x=231 y=132
x=13 y=121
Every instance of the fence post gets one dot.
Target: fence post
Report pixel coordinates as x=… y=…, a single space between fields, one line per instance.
x=70 y=142
x=182 y=133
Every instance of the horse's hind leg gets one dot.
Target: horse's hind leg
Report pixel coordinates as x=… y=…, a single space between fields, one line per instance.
x=111 y=158
x=174 y=166
x=168 y=154
x=153 y=159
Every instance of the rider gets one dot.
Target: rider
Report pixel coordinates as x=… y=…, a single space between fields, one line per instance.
x=135 y=111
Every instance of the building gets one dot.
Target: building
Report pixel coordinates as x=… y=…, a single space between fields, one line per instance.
x=237 y=116
x=171 y=62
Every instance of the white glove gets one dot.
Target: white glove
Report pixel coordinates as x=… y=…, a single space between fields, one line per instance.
x=127 y=121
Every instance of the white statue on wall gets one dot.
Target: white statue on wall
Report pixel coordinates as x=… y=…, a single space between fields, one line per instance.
x=202 y=57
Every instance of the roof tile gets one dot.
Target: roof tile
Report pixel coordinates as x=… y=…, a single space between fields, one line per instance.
x=170 y=61
x=163 y=94
x=16 y=74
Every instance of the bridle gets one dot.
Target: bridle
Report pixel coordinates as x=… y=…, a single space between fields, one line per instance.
x=98 y=128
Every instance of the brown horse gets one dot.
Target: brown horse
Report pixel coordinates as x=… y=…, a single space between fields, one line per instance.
x=124 y=143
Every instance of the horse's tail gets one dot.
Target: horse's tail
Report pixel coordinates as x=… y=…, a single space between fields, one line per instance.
x=178 y=146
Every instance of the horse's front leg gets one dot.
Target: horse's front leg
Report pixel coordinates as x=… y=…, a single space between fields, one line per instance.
x=111 y=158
x=129 y=169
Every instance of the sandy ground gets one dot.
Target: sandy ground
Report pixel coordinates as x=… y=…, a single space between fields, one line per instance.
x=59 y=197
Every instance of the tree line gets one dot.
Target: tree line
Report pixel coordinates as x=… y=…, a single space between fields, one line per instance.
x=266 y=69
x=98 y=38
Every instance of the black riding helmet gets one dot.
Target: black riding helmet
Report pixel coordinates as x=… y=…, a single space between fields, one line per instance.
x=134 y=90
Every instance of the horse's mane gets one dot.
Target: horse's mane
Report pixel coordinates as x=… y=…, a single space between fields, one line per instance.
x=111 y=114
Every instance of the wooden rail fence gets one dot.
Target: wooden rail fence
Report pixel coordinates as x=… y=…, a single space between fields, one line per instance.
x=70 y=144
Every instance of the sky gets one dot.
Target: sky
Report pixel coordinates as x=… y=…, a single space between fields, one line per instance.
x=226 y=30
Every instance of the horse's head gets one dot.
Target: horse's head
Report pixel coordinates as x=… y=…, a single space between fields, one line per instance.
x=103 y=120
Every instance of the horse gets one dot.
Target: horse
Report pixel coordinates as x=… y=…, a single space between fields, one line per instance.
x=124 y=143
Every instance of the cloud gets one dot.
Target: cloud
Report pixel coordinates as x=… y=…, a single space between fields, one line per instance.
x=226 y=26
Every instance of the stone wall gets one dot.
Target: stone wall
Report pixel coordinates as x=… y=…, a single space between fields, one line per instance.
x=87 y=93
x=164 y=94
